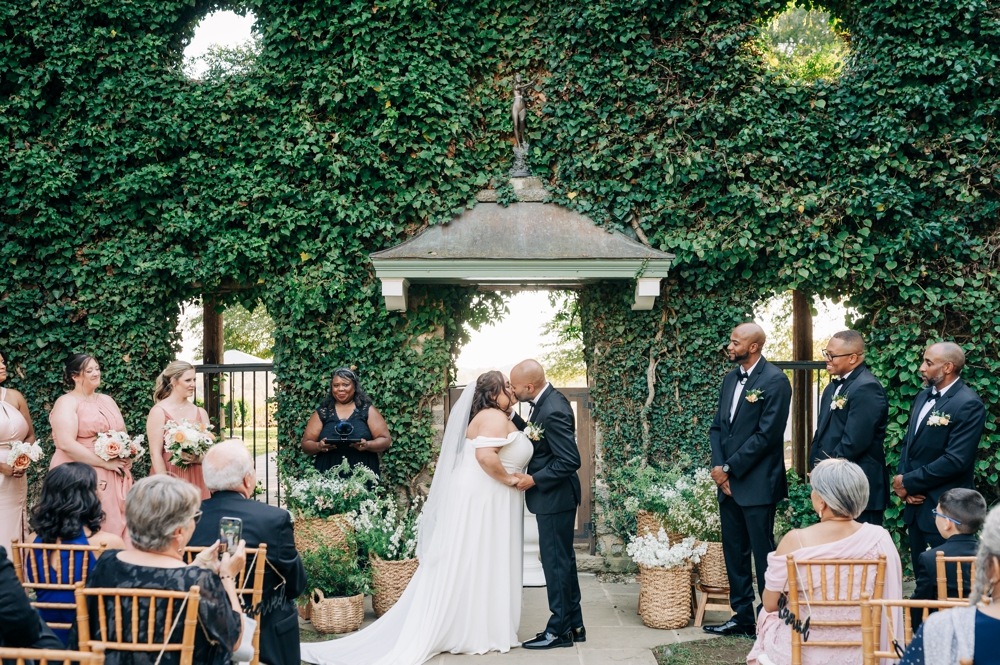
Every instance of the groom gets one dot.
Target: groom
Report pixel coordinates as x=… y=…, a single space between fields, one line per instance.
x=552 y=492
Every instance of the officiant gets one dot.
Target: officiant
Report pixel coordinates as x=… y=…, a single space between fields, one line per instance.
x=346 y=426
x=853 y=413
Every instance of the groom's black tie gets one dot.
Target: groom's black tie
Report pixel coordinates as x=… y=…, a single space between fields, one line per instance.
x=532 y=409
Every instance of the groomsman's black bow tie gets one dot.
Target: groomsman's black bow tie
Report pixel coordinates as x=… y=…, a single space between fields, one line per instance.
x=531 y=404
x=935 y=393
x=838 y=381
x=744 y=376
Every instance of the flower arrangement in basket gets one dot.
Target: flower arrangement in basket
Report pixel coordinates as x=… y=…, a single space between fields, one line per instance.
x=324 y=503
x=388 y=534
x=117 y=445
x=665 y=590
x=337 y=586
x=695 y=512
x=22 y=455
x=185 y=441
x=653 y=495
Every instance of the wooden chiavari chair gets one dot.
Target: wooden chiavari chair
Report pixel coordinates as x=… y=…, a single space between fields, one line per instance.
x=109 y=602
x=48 y=577
x=822 y=591
x=942 y=562
x=257 y=562
x=872 y=612
x=53 y=656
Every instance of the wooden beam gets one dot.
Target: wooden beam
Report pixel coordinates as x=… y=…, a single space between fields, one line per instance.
x=212 y=354
x=802 y=407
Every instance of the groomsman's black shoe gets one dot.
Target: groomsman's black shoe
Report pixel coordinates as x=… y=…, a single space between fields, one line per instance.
x=550 y=641
x=579 y=634
x=732 y=628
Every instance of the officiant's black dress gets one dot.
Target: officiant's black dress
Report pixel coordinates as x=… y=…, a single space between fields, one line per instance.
x=333 y=458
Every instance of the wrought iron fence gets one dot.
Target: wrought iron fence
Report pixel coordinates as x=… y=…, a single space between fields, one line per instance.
x=240 y=402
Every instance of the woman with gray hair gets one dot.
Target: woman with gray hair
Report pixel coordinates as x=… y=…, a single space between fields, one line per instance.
x=839 y=495
x=161 y=513
x=966 y=632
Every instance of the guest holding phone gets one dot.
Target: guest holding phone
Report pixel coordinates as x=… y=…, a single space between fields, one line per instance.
x=229 y=475
x=346 y=426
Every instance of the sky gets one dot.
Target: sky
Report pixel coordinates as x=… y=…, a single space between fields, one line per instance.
x=500 y=346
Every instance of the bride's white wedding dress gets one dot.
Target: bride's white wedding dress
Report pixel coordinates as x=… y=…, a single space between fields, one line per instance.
x=466 y=594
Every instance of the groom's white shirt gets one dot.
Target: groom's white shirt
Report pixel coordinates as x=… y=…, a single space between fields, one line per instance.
x=535 y=400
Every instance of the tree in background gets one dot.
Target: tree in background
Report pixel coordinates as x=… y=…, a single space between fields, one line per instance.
x=804 y=44
x=242 y=330
x=563 y=359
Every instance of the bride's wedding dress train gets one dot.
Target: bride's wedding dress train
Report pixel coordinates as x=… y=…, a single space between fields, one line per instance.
x=466 y=594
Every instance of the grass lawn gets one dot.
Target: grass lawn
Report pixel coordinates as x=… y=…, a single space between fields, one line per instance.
x=266 y=438
x=717 y=651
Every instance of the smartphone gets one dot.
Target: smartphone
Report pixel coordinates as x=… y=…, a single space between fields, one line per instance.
x=230 y=533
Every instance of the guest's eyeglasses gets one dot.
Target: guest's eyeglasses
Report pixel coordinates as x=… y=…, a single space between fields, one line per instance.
x=197 y=516
x=829 y=356
x=943 y=516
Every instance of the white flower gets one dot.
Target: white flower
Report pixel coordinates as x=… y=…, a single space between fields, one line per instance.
x=656 y=551
x=533 y=431
x=838 y=402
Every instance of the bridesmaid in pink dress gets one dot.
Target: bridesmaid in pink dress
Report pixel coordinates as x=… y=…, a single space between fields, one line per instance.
x=15 y=425
x=174 y=389
x=77 y=418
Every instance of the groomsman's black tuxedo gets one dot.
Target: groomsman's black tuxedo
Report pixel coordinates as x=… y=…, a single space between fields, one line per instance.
x=936 y=458
x=753 y=446
x=857 y=433
x=284 y=577
x=554 y=500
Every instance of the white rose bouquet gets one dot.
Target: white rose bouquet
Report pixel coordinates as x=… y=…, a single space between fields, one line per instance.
x=22 y=454
x=117 y=445
x=656 y=552
x=185 y=440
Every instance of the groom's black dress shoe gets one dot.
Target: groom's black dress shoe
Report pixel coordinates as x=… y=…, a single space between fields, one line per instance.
x=550 y=641
x=732 y=628
x=578 y=634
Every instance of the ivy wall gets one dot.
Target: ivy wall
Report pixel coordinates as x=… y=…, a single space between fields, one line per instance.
x=127 y=189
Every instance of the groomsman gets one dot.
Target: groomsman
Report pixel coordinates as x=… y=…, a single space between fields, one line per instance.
x=748 y=465
x=939 y=451
x=853 y=413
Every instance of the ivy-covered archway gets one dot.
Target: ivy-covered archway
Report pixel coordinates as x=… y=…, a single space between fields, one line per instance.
x=128 y=189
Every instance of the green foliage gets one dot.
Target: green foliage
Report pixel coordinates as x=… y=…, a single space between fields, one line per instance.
x=795 y=512
x=337 y=491
x=335 y=571
x=563 y=359
x=387 y=530
x=129 y=189
x=249 y=331
x=802 y=44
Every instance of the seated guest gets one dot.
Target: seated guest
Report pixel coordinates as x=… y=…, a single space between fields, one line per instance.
x=20 y=625
x=966 y=632
x=346 y=426
x=68 y=512
x=959 y=515
x=229 y=474
x=161 y=513
x=839 y=494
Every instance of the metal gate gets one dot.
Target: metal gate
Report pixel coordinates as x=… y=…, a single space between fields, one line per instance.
x=579 y=399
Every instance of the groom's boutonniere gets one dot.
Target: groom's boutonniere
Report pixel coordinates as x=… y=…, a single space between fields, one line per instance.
x=754 y=395
x=938 y=419
x=838 y=402
x=533 y=431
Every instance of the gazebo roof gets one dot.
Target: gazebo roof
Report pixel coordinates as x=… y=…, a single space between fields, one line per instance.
x=526 y=244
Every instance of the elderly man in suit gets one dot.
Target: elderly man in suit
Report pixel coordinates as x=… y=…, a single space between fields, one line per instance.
x=748 y=465
x=230 y=477
x=939 y=451
x=853 y=413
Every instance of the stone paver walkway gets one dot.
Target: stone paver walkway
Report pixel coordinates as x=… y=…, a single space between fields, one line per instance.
x=615 y=633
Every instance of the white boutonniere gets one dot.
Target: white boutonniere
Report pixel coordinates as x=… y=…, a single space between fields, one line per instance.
x=838 y=402
x=754 y=395
x=938 y=419
x=533 y=431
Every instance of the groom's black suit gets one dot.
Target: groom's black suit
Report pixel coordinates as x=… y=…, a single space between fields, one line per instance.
x=554 y=500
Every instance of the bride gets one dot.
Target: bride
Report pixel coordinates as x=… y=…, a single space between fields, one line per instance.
x=466 y=594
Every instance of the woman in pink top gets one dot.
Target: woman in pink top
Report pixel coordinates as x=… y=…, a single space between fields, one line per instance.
x=15 y=425
x=76 y=419
x=174 y=389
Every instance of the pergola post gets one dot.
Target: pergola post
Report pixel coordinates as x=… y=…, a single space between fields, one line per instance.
x=212 y=354
x=802 y=407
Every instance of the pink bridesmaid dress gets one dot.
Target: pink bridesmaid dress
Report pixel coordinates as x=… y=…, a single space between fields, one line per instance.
x=192 y=474
x=13 y=491
x=102 y=415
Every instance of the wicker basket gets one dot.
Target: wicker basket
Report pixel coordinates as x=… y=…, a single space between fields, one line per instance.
x=312 y=532
x=389 y=578
x=341 y=614
x=712 y=568
x=647 y=522
x=305 y=611
x=665 y=597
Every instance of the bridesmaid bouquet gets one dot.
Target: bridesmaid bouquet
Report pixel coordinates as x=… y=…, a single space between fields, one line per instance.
x=116 y=445
x=23 y=454
x=185 y=437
